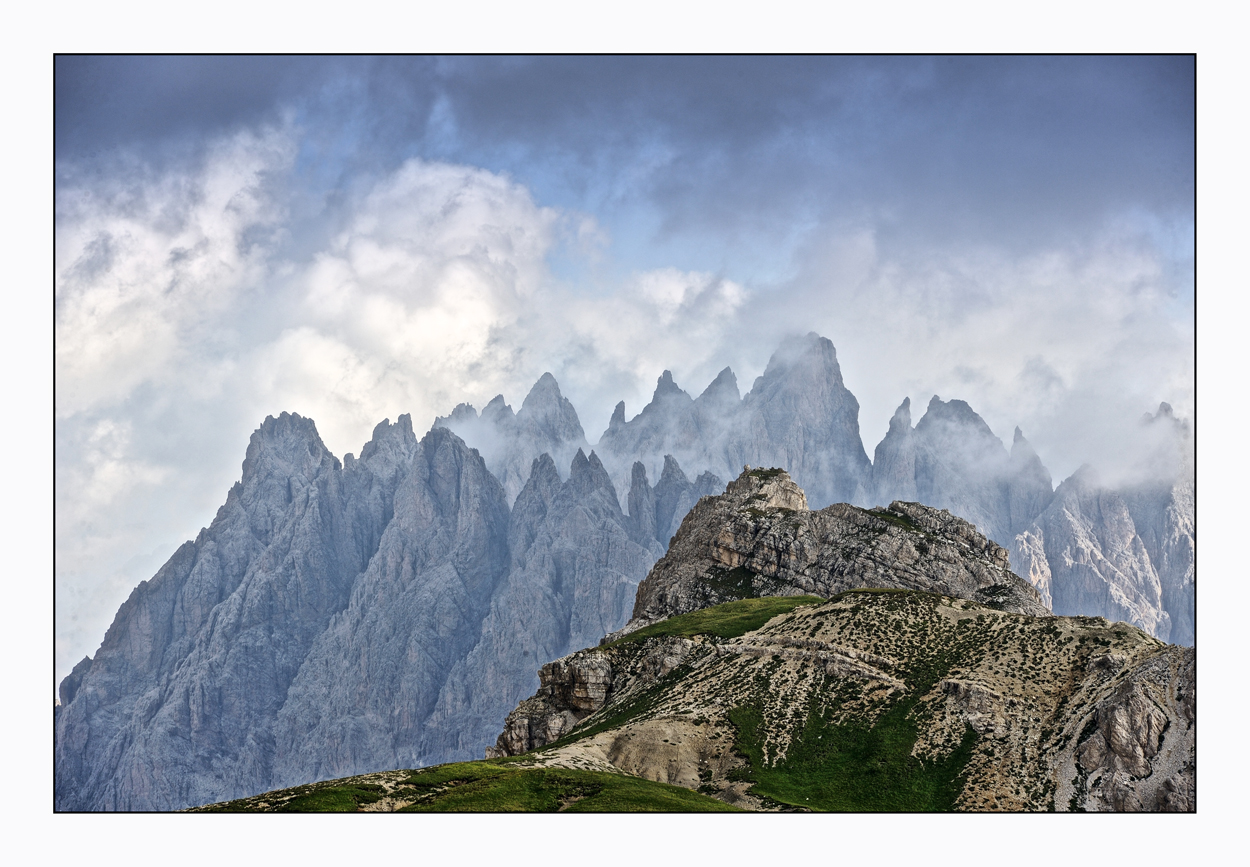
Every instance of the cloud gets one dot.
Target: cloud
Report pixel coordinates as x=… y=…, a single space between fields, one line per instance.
x=1071 y=342
x=145 y=268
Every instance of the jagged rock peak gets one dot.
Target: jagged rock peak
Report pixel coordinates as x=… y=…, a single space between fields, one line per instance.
x=618 y=416
x=462 y=412
x=901 y=420
x=588 y=474
x=497 y=407
x=1022 y=450
x=953 y=411
x=638 y=474
x=547 y=408
x=664 y=386
x=723 y=388
x=396 y=438
x=289 y=439
x=811 y=351
x=672 y=472
x=544 y=397
x=770 y=488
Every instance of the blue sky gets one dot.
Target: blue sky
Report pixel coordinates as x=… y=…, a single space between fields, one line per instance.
x=353 y=238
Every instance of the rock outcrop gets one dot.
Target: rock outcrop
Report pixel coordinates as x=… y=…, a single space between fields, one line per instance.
x=760 y=539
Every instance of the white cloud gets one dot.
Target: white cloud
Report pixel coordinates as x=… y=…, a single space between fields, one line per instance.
x=145 y=266
x=1073 y=344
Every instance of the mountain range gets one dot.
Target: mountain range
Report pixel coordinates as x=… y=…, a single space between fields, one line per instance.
x=782 y=659
x=389 y=610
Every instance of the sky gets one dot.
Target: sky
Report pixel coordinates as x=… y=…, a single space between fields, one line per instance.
x=353 y=238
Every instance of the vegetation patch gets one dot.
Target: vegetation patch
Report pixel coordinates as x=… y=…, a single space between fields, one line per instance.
x=489 y=786
x=898 y=520
x=727 y=620
x=837 y=760
x=550 y=790
x=764 y=474
x=853 y=767
x=735 y=583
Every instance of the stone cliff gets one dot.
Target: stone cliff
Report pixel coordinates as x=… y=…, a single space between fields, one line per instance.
x=760 y=539
x=337 y=618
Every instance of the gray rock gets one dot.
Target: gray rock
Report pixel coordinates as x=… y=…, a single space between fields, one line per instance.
x=547 y=423
x=575 y=574
x=374 y=677
x=759 y=539
x=798 y=415
x=952 y=460
x=177 y=706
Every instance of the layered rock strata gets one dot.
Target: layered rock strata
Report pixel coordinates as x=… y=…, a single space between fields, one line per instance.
x=1036 y=713
x=760 y=539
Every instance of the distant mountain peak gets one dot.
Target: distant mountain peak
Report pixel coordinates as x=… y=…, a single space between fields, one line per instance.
x=666 y=387
x=901 y=420
x=723 y=388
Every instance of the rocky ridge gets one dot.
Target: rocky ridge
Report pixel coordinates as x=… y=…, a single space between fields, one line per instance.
x=760 y=539
x=997 y=706
x=389 y=609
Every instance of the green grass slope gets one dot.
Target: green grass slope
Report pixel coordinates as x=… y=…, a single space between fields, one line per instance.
x=488 y=786
x=727 y=620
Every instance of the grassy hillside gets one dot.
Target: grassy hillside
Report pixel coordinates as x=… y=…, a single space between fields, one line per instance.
x=728 y=620
x=489 y=786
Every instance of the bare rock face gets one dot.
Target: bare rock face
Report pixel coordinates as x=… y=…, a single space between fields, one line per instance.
x=952 y=460
x=579 y=685
x=759 y=539
x=178 y=705
x=798 y=415
x=570 y=689
x=574 y=576
x=373 y=677
x=655 y=514
x=1137 y=750
x=335 y=619
x=1126 y=555
x=509 y=442
x=1123 y=552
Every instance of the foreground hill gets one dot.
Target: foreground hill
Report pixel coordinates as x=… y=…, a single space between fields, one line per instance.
x=879 y=700
x=932 y=678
